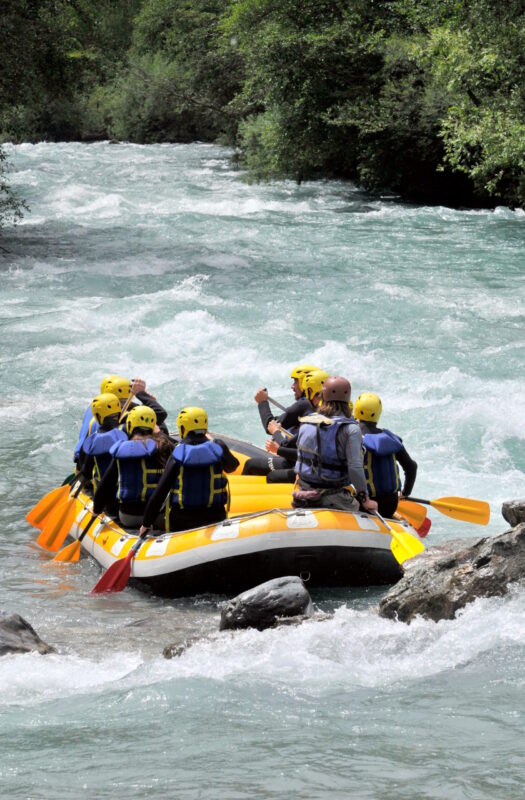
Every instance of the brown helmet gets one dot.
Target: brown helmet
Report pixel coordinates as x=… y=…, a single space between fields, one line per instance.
x=336 y=388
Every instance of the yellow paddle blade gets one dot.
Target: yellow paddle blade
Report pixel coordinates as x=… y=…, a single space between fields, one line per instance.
x=414 y=513
x=69 y=553
x=58 y=526
x=37 y=516
x=404 y=546
x=476 y=511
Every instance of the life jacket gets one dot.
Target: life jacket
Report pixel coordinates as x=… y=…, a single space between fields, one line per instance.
x=98 y=445
x=89 y=425
x=201 y=482
x=380 y=463
x=138 y=469
x=317 y=461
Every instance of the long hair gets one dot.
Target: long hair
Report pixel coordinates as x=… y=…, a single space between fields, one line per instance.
x=164 y=444
x=335 y=408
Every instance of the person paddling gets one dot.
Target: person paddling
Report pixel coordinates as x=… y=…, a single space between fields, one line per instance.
x=94 y=457
x=329 y=454
x=136 y=467
x=281 y=463
x=289 y=420
x=121 y=387
x=193 y=485
x=383 y=451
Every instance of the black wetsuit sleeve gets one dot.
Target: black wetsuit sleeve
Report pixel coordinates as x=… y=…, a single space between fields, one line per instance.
x=147 y=400
x=230 y=462
x=85 y=466
x=107 y=488
x=265 y=414
x=288 y=450
x=409 y=468
x=290 y=417
x=158 y=497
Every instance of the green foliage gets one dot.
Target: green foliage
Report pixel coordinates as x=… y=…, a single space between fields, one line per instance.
x=11 y=206
x=425 y=97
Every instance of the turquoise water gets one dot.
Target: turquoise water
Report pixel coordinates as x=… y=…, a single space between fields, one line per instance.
x=160 y=261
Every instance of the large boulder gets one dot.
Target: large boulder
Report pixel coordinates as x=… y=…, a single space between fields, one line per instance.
x=442 y=580
x=17 y=636
x=514 y=511
x=267 y=604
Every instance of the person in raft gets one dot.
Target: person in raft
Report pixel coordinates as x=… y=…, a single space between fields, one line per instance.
x=289 y=420
x=329 y=454
x=94 y=457
x=383 y=451
x=121 y=387
x=136 y=466
x=193 y=485
x=286 y=451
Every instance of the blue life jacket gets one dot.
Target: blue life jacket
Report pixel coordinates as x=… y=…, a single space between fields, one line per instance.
x=98 y=445
x=317 y=461
x=380 y=463
x=89 y=425
x=138 y=469
x=201 y=482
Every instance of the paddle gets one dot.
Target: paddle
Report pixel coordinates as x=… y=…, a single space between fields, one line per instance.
x=126 y=406
x=72 y=551
x=277 y=404
x=37 y=516
x=413 y=512
x=403 y=545
x=116 y=577
x=59 y=523
x=463 y=508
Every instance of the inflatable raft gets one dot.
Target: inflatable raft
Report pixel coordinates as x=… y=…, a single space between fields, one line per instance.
x=325 y=548
x=262 y=538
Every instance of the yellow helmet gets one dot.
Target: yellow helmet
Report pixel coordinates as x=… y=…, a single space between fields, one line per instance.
x=104 y=383
x=192 y=418
x=368 y=407
x=119 y=386
x=312 y=383
x=300 y=371
x=140 y=417
x=104 y=405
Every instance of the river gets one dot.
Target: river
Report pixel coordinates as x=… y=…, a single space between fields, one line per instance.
x=162 y=262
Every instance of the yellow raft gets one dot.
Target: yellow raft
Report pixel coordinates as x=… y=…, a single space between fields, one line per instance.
x=325 y=548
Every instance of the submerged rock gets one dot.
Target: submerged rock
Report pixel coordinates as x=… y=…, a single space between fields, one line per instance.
x=513 y=511
x=263 y=606
x=440 y=581
x=17 y=636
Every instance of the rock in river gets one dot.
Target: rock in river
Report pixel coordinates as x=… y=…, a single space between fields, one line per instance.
x=17 y=636
x=436 y=584
x=514 y=511
x=266 y=604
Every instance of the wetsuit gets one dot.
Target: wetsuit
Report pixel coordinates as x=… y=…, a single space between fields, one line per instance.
x=145 y=399
x=196 y=495
x=383 y=451
x=86 y=461
x=279 y=468
x=131 y=478
x=90 y=425
x=289 y=419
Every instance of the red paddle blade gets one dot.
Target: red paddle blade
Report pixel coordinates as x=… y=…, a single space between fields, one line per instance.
x=37 y=516
x=424 y=527
x=115 y=577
